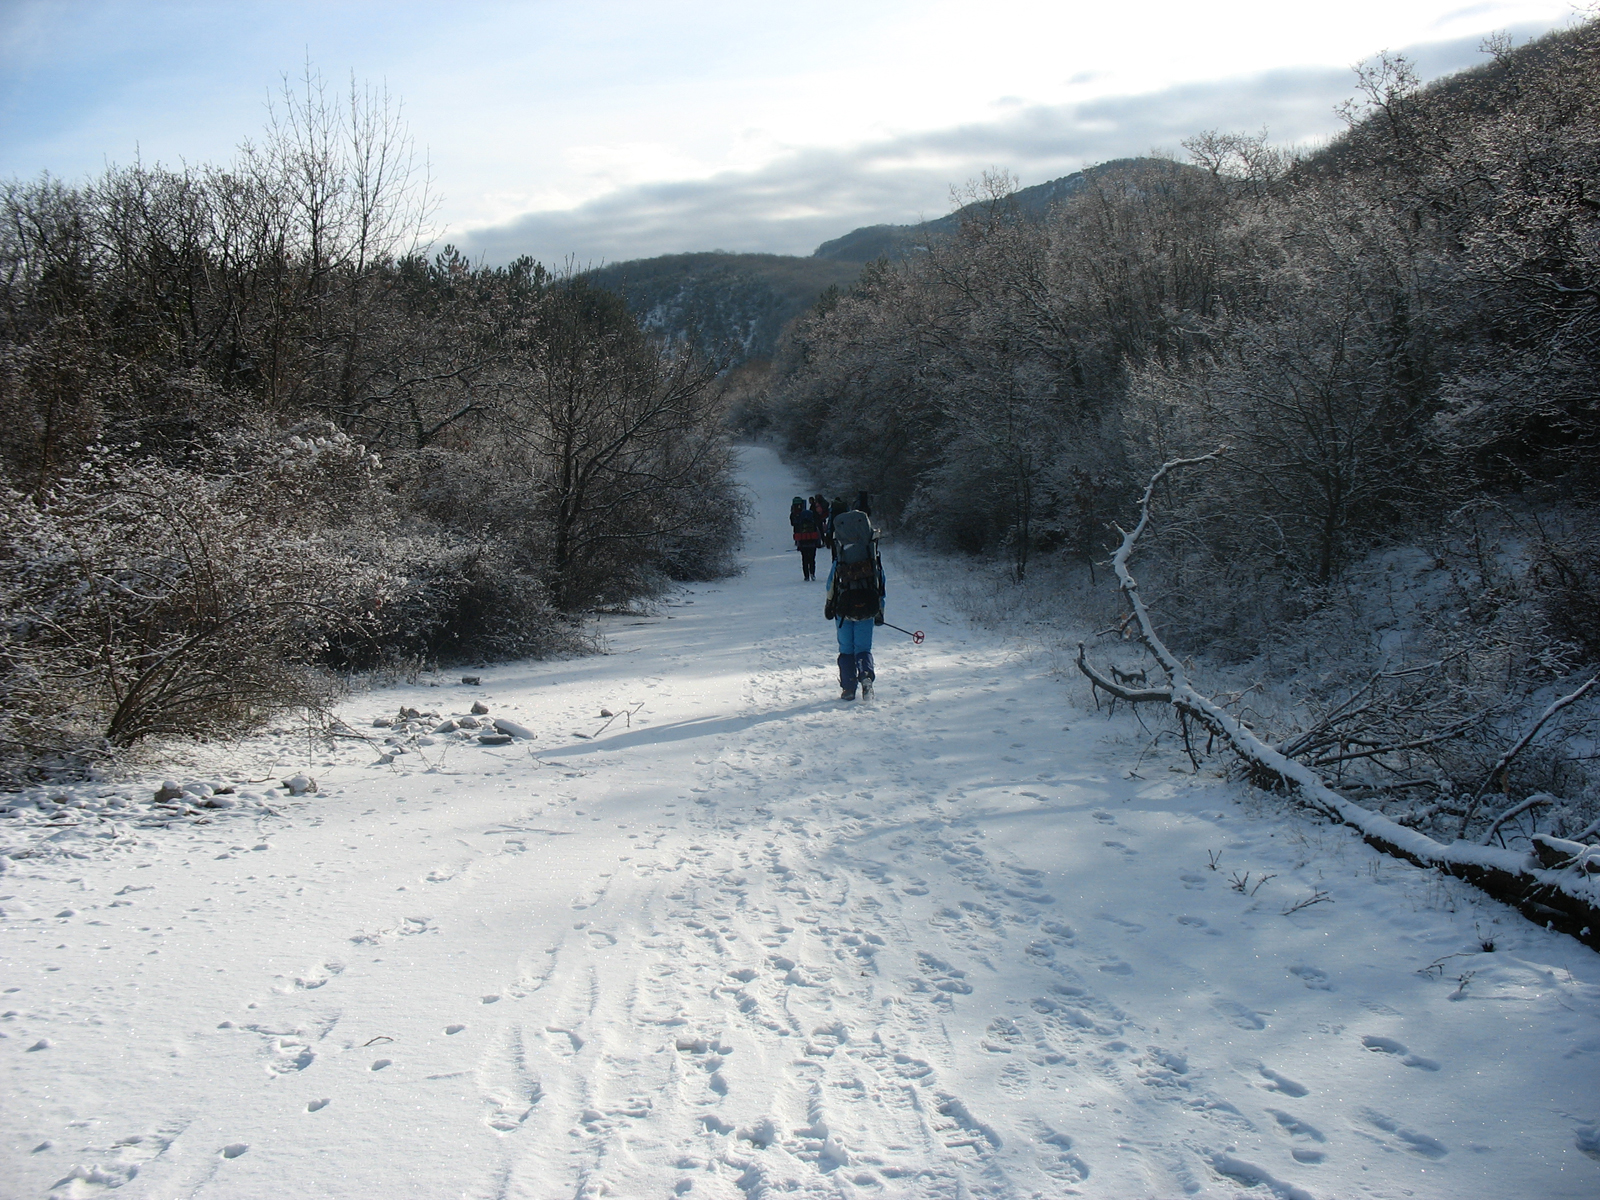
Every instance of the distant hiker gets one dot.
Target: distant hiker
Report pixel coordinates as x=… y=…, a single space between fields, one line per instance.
x=818 y=506
x=864 y=502
x=856 y=592
x=807 y=537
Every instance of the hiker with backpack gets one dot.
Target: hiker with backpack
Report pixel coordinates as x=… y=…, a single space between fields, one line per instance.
x=819 y=510
x=807 y=536
x=856 y=592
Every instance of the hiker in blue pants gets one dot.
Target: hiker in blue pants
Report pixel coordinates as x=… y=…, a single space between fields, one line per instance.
x=856 y=591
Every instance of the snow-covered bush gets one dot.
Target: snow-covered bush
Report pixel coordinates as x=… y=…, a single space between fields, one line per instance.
x=143 y=599
x=1566 y=578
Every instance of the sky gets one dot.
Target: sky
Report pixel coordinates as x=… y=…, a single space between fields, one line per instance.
x=608 y=130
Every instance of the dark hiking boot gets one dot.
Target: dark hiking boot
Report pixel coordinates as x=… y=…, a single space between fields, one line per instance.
x=843 y=695
x=866 y=688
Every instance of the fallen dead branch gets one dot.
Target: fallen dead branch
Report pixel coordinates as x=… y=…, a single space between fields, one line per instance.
x=1316 y=897
x=1567 y=899
x=1119 y=691
x=1497 y=772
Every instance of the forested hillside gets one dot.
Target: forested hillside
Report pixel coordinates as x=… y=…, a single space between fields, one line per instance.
x=251 y=434
x=1393 y=347
x=736 y=306
x=732 y=306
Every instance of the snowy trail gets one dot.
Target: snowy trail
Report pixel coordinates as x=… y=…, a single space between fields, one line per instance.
x=754 y=942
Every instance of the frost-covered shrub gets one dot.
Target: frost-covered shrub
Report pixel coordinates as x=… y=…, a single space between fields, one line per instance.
x=1567 y=581
x=706 y=544
x=449 y=598
x=141 y=599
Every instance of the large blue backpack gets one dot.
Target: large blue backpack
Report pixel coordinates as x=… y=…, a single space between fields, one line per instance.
x=855 y=576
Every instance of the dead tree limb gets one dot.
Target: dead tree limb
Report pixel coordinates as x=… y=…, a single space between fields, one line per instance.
x=1498 y=770
x=1566 y=900
x=1118 y=690
x=1537 y=800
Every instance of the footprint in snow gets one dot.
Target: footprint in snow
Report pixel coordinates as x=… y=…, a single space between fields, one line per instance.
x=318 y=976
x=317 y=1105
x=1312 y=978
x=1281 y=1083
x=566 y=1041
x=1130 y=926
x=508 y=1113
x=1417 y=1143
x=943 y=978
x=1030 y=897
x=1002 y=1036
x=1383 y=1045
x=1060 y=1160
x=1016 y=1080
x=1300 y=1131
x=1238 y=1015
x=1586 y=1138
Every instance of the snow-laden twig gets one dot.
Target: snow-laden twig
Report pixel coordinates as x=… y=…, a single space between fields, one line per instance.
x=1504 y=761
x=1516 y=810
x=1316 y=897
x=1119 y=691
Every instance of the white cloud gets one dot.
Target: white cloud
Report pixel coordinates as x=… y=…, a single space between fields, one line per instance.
x=805 y=196
x=625 y=127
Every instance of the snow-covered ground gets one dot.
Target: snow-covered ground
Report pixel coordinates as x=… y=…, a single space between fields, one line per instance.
x=964 y=940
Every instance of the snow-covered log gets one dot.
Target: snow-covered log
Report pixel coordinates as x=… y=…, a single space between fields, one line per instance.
x=1567 y=900
x=1559 y=854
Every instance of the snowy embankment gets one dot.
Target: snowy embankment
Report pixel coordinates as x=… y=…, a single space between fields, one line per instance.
x=745 y=940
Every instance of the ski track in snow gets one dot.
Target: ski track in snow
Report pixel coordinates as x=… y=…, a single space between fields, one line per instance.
x=754 y=942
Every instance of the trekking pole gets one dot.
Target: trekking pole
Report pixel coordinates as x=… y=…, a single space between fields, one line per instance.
x=915 y=637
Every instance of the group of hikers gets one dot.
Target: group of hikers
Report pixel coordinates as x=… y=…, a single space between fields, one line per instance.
x=855 y=588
